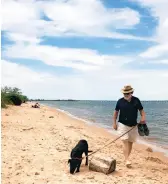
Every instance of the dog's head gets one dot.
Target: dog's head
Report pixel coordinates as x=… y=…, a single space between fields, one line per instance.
x=73 y=163
x=83 y=144
x=83 y=141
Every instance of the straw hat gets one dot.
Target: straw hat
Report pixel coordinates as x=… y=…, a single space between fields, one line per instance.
x=127 y=89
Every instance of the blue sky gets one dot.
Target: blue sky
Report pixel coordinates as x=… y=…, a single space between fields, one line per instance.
x=67 y=49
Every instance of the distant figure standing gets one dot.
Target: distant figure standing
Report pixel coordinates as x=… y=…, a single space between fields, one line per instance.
x=127 y=108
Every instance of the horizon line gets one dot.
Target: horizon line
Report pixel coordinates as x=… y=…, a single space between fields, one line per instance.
x=82 y=100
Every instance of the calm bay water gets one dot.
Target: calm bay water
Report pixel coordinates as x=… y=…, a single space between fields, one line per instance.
x=100 y=113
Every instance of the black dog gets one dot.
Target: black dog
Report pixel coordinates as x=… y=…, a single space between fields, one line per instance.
x=76 y=156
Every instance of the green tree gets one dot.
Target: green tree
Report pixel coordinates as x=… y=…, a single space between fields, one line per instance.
x=13 y=96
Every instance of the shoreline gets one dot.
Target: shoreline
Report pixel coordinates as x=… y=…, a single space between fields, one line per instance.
x=36 y=145
x=156 y=148
x=139 y=144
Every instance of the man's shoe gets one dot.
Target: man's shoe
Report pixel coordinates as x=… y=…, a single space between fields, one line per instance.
x=146 y=130
x=128 y=164
x=141 y=130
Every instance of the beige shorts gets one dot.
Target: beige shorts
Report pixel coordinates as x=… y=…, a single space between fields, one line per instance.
x=130 y=136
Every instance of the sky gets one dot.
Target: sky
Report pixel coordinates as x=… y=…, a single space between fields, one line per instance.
x=85 y=49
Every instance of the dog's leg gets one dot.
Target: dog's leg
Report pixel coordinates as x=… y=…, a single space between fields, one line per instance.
x=86 y=163
x=86 y=154
x=72 y=166
x=78 y=167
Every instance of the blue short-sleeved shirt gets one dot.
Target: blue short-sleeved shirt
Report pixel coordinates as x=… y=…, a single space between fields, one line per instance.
x=128 y=111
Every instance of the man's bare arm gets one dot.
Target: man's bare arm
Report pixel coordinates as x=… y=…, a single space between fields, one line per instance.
x=143 y=116
x=115 y=115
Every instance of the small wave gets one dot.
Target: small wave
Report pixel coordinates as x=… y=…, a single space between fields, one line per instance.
x=154 y=147
x=74 y=117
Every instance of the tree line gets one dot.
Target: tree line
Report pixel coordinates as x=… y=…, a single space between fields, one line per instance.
x=12 y=96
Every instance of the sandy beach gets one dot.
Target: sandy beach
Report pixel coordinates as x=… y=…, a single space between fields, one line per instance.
x=36 y=145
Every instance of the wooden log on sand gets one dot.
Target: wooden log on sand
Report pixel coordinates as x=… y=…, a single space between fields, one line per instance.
x=102 y=163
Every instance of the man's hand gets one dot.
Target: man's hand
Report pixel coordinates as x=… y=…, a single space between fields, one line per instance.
x=115 y=125
x=142 y=122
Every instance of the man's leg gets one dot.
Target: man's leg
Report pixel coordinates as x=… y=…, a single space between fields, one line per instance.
x=127 y=149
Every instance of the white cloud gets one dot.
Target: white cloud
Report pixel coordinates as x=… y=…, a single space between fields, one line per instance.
x=23 y=74
x=16 y=13
x=82 y=59
x=158 y=9
x=104 y=84
x=42 y=85
x=82 y=18
x=18 y=17
x=164 y=61
x=22 y=38
x=21 y=21
x=156 y=51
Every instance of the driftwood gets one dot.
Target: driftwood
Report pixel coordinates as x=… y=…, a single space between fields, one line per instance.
x=102 y=163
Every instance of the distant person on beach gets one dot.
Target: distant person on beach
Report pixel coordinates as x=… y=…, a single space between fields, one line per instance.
x=127 y=108
x=37 y=105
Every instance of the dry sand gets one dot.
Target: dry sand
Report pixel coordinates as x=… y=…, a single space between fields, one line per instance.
x=36 y=147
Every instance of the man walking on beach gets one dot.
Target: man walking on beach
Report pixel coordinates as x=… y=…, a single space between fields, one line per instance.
x=127 y=108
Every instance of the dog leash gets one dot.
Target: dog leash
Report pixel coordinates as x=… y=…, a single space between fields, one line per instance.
x=109 y=143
